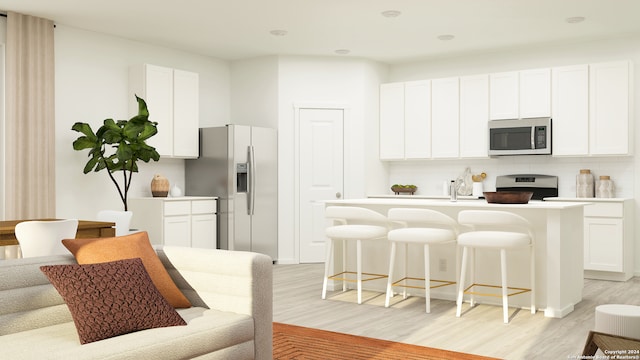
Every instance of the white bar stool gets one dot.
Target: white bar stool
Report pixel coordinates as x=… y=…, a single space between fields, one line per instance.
x=618 y=319
x=495 y=230
x=354 y=223
x=420 y=226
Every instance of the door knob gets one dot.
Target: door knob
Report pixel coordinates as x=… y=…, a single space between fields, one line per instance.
x=338 y=195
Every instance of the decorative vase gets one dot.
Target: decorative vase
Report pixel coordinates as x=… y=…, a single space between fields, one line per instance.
x=605 y=187
x=584 y=184
x=175 y=191
x=159 y=186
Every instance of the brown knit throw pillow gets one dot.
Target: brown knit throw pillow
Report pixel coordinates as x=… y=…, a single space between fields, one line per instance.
x=111 y=299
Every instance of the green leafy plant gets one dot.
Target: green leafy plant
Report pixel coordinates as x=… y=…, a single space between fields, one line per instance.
x=118 y=145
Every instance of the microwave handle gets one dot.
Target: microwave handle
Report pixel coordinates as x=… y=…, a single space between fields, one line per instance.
x=533 y=138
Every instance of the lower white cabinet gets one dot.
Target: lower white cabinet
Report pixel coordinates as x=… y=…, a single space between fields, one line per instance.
x=181 y=221
x=608 y=238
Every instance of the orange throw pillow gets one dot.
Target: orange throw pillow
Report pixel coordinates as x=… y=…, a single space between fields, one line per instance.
x=137 y=245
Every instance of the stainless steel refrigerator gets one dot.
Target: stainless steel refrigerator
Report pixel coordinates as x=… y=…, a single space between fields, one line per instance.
x=239 y=165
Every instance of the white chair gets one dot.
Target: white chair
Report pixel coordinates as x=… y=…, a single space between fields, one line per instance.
x=44 y=238
x=420 y=226
x=121 y=218
x=354 y=223
x=499 y=230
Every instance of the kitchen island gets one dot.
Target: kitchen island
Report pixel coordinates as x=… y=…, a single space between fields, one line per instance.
x=558 y=231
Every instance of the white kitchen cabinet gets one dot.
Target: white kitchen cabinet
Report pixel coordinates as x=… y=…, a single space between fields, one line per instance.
x=186 y=114
x=474 y=116
x=172 y=97
x=520 y=94
x=445 y=118
x=570 y=118
x=608 y=238
x=405 y=114
x=535 y=93
x=503 y=95
x=181 y=221
x=609 y=108
x=392 y=121
x=417 y=120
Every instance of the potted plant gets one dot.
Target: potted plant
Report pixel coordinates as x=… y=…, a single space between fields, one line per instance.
x=117 y=146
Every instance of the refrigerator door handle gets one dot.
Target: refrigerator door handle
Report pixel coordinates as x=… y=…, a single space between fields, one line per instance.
x=251 y=196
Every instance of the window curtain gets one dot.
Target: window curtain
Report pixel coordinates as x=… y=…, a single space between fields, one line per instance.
x=30 y=118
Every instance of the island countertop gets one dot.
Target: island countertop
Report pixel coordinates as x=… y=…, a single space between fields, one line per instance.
x=558 y=244
x=408 y=200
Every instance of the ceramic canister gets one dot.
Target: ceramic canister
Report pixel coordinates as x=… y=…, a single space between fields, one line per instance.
x=584 y=184
x=605 y=188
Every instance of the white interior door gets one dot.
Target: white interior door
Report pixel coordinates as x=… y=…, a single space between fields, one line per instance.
x=321 y=175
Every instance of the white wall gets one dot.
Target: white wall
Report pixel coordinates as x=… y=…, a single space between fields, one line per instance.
x=254 y=89
x=428 y=175
x=91 y=85
x=328 y=81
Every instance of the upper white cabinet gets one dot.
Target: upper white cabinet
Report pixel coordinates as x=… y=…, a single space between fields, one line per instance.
x=172 y=97
x=609 y=108
x=417 y=119
x=591 y=109
x=504 y=95
x=405 y=113
x=474 y=116
x=590 y=106
x=535 y=93
x=570 y=110
x=392 y=121
x=520 y=94
x=445 y=114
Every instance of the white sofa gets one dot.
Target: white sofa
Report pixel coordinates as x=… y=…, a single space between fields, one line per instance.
x=231 y=317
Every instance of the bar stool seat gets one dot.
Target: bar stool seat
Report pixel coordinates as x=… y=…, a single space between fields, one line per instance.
x=500 y=230
x=353 y=223
x=420 y=226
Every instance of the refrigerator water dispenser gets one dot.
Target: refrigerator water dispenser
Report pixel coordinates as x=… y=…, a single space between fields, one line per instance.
x=241 y=177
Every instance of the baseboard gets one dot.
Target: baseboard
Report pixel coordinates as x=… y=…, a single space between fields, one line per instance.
x=286 y=262
x=558 y=313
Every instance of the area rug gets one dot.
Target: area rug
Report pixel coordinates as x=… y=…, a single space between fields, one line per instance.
x=296 y=342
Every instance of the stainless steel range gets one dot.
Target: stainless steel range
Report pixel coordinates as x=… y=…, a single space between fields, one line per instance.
x=541 y=185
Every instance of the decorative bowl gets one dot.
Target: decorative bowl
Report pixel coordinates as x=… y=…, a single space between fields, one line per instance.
x=508 y=197
x=397 y=189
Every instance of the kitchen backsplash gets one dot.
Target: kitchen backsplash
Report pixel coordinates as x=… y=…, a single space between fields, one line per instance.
x=429 y=175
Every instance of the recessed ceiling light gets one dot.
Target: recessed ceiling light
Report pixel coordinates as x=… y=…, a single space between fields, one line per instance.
x=278 y=32
x=446 y=37
x=575 y=19
x=391 y=13
x=342 y=51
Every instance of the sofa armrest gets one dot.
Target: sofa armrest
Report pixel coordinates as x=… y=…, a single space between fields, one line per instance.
x=236 y=281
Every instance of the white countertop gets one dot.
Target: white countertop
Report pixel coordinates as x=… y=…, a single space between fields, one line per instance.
x=587 y=199
x=408 y=200
x=178 y=198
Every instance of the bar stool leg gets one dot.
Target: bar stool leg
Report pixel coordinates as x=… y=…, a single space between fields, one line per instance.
x=406 y=270
x=326 y=268
x=505 y=301
x=359 y=266
x=427 y=278
x=472 y=276
x=344 y=265
x=390 y=278
x=463 y=270
x=533 y=279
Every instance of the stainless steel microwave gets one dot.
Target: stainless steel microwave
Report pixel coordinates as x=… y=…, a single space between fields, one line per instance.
x=531 y=136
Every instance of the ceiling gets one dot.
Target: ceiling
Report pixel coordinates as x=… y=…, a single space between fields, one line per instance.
x=237 y=29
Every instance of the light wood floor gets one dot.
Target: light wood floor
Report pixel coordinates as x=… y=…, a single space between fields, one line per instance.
x=297 y=290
